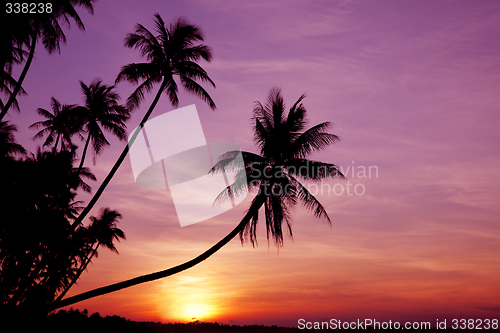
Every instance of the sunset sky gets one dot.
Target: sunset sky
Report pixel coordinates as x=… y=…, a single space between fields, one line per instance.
x=412 y=88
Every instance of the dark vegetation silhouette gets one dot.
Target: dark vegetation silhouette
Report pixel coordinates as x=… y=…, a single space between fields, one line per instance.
x=39 y=256
x=45 y=244
x=83 y=322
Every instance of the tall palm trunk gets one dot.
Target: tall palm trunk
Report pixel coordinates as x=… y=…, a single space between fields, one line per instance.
x=254 y=209
x=80 y=271
x=84 y=152
x=27 y=65
x=118 y=162
x=57 y=141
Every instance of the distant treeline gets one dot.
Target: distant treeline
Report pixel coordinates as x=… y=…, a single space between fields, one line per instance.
x=76 y=321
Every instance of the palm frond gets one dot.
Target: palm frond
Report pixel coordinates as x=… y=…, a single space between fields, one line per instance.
x=137 y=96
x=194 y=71
x=144 y=41
x=194 y=53
x=309 y=201
x=314 y=139
x=198 y=90
x=135 y=71
x=295 y=121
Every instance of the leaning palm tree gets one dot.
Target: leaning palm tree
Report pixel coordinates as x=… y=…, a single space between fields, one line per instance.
x=101 y=111
x=284 y=150
x=60 y=125
x=24 y=30
x=284 y=146
x=172 y=53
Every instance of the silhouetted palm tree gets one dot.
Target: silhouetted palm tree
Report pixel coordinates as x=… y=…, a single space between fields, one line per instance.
x=101 y=110
x=7 y=85
x=103 y=231
x=8 y=145
x=23 y=30
x=284 y=148
x=171 y=53
x=60 y=125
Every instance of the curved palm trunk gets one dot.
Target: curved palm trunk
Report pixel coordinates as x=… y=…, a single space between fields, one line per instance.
x=77 y=276
x=16 y=90
x=84 y=152
x=256 y=204
x=118 y=162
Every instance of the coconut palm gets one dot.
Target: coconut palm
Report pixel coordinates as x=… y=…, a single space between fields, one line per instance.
x=284 y=146
x=7 y=86
x=8 y=145
x=103 y=231
x=101 y=111
x=24 y=30
x=172 y=53
x=60 y=125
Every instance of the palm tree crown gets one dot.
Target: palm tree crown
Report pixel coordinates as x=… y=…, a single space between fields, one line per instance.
x=170 y=53
x=60 y=125
x=105 y=230
x=8 y=145
x=101 y=110
x=284 y=146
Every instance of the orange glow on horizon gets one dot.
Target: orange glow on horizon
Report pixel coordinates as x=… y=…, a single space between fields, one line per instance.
x=186 y=299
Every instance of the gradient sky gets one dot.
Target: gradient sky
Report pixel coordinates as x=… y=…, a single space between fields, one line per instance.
x=412 y=88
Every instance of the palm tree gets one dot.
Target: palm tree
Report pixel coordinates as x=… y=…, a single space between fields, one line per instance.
x=25 y=29
x=7 y=85
x=284 y=150
x=104 y=230
x=171 y=53
x=8 y=145
x=60 y=125
x=101 y=110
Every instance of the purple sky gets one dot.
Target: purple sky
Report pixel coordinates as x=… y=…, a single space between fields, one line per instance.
x=412 y=88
